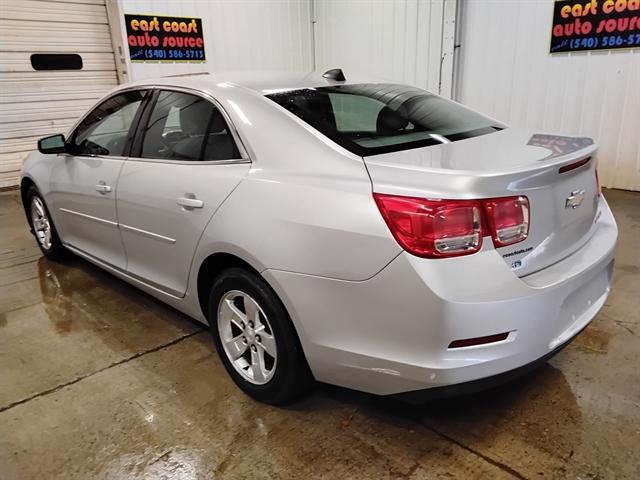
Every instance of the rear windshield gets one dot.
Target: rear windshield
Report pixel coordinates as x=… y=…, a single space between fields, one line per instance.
x=369 y=119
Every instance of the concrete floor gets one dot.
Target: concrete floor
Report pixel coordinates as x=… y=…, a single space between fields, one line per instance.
x=98 y=380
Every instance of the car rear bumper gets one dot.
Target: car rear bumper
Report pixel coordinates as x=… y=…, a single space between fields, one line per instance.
x=391 y=334
x=478 y=385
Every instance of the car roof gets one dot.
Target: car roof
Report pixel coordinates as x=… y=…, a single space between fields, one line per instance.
x=259 y=82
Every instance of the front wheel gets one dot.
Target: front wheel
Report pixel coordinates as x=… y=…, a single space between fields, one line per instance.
x=43 y=227
x=255 y=338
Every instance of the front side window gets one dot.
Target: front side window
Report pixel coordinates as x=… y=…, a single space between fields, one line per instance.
x=106 y=129
x=369 y=119
x=187 y=127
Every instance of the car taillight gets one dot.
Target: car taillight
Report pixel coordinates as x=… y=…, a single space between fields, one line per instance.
x=433 y=228
x=508 y=219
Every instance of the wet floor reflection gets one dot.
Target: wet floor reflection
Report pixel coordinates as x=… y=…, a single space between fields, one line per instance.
x=78 y=295
x=78 y=320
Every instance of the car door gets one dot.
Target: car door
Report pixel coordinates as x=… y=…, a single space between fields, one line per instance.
x=185 y=161
x=83 y=182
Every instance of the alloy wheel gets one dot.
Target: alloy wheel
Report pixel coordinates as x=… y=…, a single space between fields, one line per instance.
x=41 y=223
x=247 y=337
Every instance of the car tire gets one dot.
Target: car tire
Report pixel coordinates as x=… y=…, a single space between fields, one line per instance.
x=256 y=339
x=43 y=228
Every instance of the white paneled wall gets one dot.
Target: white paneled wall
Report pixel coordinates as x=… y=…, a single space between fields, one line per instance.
x=409 y=41
x=506 y=71
x=238 y=34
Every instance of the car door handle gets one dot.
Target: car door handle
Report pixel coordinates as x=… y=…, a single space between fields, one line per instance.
x=190 y=203
x=103 y=187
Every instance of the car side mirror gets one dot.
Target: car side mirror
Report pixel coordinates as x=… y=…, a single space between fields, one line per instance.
x=53 y=144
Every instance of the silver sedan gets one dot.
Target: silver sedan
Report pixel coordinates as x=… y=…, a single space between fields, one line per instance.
x=365 y=234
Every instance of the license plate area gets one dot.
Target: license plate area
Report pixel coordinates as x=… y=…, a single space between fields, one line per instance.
x=581 y=306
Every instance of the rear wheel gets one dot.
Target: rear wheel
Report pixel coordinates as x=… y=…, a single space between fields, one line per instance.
x=255 y=338
x=43 y=227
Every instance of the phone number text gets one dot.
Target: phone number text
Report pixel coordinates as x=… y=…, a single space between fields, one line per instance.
x=611 y=41
x=171 y=54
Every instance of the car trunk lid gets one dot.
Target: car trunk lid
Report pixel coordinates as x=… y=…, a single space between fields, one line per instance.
x=556 y=173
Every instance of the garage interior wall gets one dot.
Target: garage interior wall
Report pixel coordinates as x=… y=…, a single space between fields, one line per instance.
x=503 y=61
x=407 y=41
x=34 y=104
x=238 y=35
x=505 y=70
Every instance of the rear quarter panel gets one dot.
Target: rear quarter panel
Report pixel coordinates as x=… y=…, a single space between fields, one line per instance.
x=306 y=205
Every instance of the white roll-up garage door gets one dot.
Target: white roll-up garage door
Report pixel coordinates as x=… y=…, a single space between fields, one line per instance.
x=36 y=103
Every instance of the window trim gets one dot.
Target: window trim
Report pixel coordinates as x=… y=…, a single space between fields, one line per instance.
x=136 y=145
x=133 y=128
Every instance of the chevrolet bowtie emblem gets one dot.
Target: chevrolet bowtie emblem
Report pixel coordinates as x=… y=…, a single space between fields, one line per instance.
x=575 y=199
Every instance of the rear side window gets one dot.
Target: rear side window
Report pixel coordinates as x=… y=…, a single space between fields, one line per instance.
x=187 y=127
x=369 y=119
x=106 y=129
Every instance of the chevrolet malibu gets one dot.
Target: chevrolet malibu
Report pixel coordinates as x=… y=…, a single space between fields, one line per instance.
x=360 y=233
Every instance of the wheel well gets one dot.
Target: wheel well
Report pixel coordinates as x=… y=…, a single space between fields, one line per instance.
x=209 y=270
x=25 y=185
